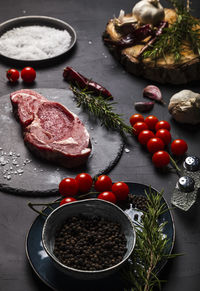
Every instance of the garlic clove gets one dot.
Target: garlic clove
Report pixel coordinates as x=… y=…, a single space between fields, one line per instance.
x=121 y=15
x=122 y=18
x=144 y=106
x=153 y=92
x=125 y=24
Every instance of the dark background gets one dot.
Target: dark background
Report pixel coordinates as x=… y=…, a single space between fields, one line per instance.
x=92 y=59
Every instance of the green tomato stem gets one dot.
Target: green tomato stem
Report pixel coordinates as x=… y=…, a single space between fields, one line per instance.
x=173 y=162
x=32 y=206
x=87 y=194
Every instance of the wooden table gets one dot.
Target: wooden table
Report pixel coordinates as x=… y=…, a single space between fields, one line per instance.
x=92 y=58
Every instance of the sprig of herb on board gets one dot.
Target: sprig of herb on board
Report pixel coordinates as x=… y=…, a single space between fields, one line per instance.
x=150 y=249
x=184 y=31
x=101 y=109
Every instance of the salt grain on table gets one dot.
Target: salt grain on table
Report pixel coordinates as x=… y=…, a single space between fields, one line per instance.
x=34 y=42
x=127 y=150
x=12 y=166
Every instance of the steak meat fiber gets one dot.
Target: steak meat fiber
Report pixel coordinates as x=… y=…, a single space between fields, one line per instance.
x=50 y=130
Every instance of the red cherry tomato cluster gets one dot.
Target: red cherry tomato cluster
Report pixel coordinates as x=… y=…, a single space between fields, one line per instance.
x=28 y=75
x=83 y=182
x=155 y=135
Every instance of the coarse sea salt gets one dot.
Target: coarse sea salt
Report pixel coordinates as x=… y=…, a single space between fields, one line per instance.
x=34 y=42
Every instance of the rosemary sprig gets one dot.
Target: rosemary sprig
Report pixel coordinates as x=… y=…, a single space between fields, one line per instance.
x=150 y=250
x=101 y=109
x=182 y=31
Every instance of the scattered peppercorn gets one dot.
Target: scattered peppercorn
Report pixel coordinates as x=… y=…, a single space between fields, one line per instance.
x=89 y=243
x=138 y=201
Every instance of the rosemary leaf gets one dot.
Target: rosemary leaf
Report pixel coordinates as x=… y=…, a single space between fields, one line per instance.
x=101 y=109
x=150 y=248
x=184 y=29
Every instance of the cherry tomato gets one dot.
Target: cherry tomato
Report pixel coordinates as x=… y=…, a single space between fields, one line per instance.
x=144 y=136
x=151 y=121
x=165 y=135
x=84 y=181
x=68 y=187
x=67 y=200
x=28 y=74
x=136 y=118
x=121 y=190
x=108 y=196
x=155 y=144
x=103 y=183
x=138 y=127
x=179 y=147
x=162 y=124
x=12 y=75
x=160 y=159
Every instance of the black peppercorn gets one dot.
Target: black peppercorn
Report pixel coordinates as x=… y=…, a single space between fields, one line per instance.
x=139 y=202
x=89 y=243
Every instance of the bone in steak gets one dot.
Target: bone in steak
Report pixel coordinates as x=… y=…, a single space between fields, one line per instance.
x=50 y=130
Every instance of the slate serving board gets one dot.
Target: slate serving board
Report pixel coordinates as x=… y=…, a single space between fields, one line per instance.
x=22 y=173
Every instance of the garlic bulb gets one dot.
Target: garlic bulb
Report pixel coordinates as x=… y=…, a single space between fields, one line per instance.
x=184 y=107
x=148 y=12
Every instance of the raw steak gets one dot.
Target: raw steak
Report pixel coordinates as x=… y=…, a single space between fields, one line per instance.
x=50 y=130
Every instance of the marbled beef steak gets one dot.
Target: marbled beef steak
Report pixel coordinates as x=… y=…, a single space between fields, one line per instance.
x=50 y=130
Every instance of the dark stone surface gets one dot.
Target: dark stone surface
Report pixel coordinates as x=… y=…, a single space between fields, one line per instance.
x=40 y=177
x=92 y=59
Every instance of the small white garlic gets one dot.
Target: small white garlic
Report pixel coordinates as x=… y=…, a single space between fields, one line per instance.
x=121 y=15
x=123 y=19
x=148 y=12
x=124 y=23
x=184 y=107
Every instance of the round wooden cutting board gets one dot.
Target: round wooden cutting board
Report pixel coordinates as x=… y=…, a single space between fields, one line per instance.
x=22 y=173
x=164 y=69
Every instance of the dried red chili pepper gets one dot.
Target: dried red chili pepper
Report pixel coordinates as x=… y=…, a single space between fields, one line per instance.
x=132 y=38
x=76 y=78
x=159 y=31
